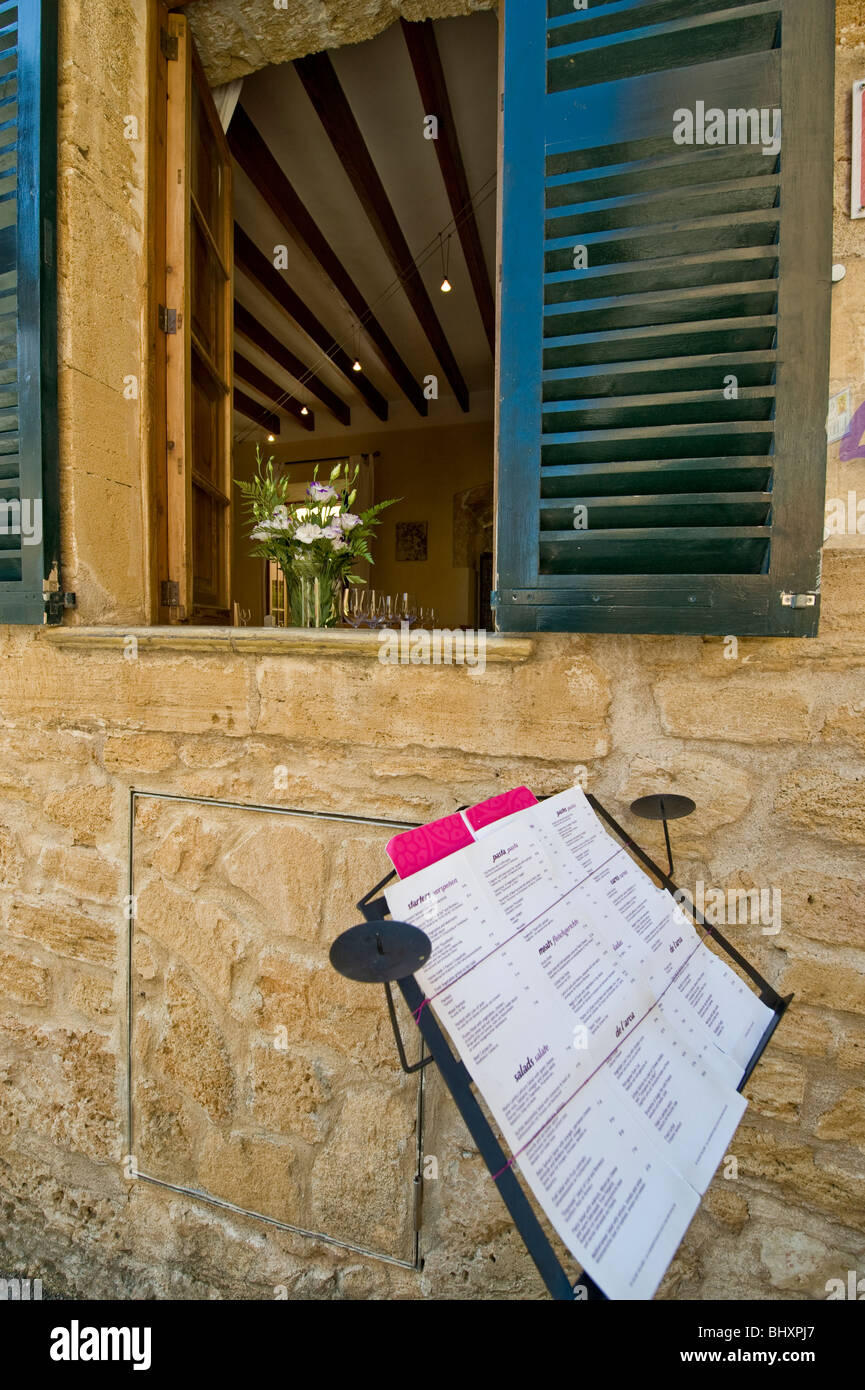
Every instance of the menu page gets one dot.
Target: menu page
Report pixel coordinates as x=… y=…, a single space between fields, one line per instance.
x=606 y=1039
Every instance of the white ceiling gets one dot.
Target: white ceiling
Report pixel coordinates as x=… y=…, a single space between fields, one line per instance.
x=379 y=83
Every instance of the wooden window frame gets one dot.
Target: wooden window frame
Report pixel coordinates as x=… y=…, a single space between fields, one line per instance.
x=172 y=208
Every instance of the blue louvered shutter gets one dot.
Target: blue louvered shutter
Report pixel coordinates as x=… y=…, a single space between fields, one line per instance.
x=663 y=367
x=29 y=540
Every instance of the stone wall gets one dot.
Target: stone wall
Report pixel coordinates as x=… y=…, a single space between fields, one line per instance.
x=267 y=1081
x=102 y=334
x=259 y=1075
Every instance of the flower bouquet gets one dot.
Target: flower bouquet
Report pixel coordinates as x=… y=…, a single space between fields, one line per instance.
x=316 y=542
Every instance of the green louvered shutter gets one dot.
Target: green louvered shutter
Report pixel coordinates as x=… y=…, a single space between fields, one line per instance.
x=29 y=541
x=640 y=489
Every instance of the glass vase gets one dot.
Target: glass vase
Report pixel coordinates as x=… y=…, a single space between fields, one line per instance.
x=314 y=599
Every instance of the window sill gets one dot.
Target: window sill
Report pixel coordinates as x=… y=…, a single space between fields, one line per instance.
x=257 y=641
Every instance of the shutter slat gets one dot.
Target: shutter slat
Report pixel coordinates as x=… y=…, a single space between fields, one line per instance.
x=655 y=510
x=656 y=550
x=636 y=13
x=673 y=273
x=637 y=206
x=576 y=349
x=565 y=223
x=597 y=479
x=673 y=407
x=671 y=169
x=676 y=46
x=649 y=441
x=611 y=255
x=753 y=299
x=627 y=377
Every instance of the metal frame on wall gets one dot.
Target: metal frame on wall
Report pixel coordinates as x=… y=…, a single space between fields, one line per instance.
x=414 y=1262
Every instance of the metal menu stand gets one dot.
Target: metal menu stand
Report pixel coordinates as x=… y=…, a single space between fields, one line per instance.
x=383 y=952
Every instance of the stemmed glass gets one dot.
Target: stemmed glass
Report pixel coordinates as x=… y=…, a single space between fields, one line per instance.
x=375 y=611
x=354 y=605
x=386 y=613
x=406 y=608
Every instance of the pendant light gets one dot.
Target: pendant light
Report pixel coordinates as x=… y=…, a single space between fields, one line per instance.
x=445 y=285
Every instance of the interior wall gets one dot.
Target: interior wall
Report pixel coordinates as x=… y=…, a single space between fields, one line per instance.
x=424 y=468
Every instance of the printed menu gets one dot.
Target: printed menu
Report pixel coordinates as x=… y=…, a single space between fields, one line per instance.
x=605 y=1037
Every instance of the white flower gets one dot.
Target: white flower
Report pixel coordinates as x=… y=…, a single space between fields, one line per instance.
x=308 y=533
x=261 y=533
x=321 y=492
x=332 y=532
x=347 y=520
x=280 y=521
x=340 y=545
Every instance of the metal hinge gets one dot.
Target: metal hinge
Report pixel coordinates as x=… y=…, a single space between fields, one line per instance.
x=798 y=600
x=55 y=602
x=169 y=593
x=167 y=319
x=168 y=44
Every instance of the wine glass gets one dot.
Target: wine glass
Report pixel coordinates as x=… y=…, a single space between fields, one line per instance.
x=386 y=610
x=354 y=605
x=407 y=609
x=375 y=612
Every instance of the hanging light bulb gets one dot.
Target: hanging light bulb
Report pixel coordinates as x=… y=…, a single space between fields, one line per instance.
x=271 y=439
x=445 y=285
x=355 y=366
x=355 y=328
x=304 y=410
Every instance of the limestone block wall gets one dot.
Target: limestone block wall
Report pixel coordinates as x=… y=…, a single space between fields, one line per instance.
x=264 y=1079
x=102 y=329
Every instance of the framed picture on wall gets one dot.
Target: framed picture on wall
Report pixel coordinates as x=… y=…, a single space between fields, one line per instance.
x=411 y=540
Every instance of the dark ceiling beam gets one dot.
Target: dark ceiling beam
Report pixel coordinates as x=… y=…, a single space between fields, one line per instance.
x=426 y=60
x=254 y=411
x=263 y=170
x=262 y=271
x=323 y=88
x=261 y=382
x=249 y=327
